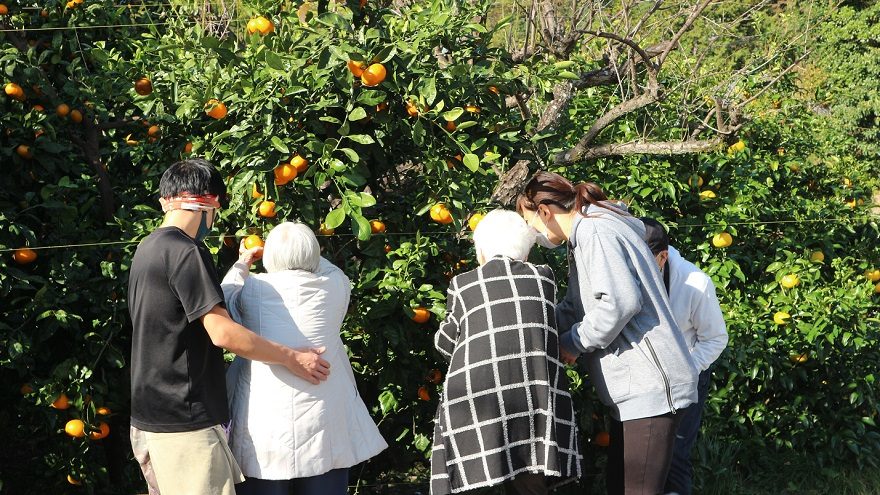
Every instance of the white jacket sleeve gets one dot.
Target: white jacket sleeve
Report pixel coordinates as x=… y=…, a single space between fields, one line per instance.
x=232 y=285
x=711 y=329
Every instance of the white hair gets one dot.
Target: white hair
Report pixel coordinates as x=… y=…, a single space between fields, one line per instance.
x=504 y=232
x=291 y=246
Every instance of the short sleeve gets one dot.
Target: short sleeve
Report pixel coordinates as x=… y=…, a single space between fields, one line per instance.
x=195 y=283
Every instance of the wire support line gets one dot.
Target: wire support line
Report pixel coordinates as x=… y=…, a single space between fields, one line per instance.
x=110 y=26
x=438 y=233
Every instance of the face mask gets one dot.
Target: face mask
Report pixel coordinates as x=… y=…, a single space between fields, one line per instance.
x=543 y=240
x=204 y=230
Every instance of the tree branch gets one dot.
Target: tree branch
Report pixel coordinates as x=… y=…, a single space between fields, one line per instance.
x=650 y=148
x=684 y=28
x=576 y=153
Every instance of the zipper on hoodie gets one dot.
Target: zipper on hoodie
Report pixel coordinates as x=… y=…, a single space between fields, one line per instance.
x=662 y=374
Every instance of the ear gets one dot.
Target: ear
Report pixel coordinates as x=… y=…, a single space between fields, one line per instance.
x=664 y=258
x=544 y=212
x=163 y=202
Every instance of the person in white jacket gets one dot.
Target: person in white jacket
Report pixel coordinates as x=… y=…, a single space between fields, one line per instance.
x=697 y=312
x=288 y=435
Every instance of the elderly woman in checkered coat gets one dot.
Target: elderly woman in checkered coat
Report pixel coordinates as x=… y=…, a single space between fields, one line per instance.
x=506 y=415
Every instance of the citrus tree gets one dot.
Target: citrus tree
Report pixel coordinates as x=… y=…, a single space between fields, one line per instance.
x=387 y=129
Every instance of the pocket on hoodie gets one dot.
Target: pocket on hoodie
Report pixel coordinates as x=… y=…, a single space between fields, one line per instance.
x=616 y=376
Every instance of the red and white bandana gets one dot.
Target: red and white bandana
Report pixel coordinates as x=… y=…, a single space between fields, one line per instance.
x=191 y=202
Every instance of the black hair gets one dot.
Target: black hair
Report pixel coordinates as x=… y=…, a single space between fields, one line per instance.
x=195 y=176
x=655 y=235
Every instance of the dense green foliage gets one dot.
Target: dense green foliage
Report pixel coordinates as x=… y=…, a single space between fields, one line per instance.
x=784 y=193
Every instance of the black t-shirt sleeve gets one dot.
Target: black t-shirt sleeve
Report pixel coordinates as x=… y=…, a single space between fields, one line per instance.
x=195 y=284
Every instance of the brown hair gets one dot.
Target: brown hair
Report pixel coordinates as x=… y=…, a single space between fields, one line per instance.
x=545 y=188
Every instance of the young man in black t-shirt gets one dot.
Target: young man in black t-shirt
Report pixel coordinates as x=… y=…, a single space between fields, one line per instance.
x=178 y=398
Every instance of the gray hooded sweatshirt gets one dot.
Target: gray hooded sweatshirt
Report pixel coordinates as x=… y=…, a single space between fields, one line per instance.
x=618 y=314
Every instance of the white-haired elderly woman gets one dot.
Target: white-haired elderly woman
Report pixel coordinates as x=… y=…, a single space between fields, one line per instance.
x=286 y=433
x=506 y=415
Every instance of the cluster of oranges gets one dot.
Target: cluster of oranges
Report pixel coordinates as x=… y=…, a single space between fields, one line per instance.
x=76 y=427
x=370 y=75
x=260 y=25
x=434 y=377
x=286 y=172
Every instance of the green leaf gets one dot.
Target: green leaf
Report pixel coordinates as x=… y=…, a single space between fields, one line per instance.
x=361 y=138
x=357 y=114
x=563 y=64
x=351 y=154
x=367 y=200
x=279 y=145
x=387 y=402
x=428 y=90
x=333 y=20
x=467 y=124
x=274 y=61
x=360 y=226
x=471 y=161
x=568 y=75
x=334 y=218
x=454 y=114
x=421 y=442
x=371 y=97
x=419 y=133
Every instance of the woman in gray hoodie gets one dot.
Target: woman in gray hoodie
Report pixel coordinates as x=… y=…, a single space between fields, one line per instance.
x=616 y=313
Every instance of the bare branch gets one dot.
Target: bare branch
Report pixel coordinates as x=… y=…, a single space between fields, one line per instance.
x=644 y=18
x=651 y=148
x=684 y=28
x=577 y=152
x=775 y=80
x=562 y=94
x=628 y=42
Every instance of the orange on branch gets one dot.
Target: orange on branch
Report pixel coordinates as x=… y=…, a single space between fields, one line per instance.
x=102 y=432
x=61 y=403
x=441 y=214
x=75 y=428
x=420 y=315
x=267 y=209
x=424 y=394
x=299 y=163
x=373 y=75
x=24 y=151
x=143 y=86
x=284 y=173
x=23 y=256
x=215 y=109
x=356 y=67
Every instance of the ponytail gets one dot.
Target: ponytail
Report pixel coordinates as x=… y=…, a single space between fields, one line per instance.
x=550 y=188
x=589 y=193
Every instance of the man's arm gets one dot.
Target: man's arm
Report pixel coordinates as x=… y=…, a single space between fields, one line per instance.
x=708 y=321
x=225 y=333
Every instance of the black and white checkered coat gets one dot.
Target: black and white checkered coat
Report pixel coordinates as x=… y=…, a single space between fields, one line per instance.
x=506 y=407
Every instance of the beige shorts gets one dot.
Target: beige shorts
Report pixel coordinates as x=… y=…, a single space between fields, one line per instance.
x=186 y=463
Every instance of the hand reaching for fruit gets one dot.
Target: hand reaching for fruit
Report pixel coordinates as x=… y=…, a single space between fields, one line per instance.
x=249 y=255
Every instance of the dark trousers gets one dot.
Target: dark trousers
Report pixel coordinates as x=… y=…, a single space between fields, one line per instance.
x=639 y=455
x=526 y=484
x=333 y=482
x=681 y=473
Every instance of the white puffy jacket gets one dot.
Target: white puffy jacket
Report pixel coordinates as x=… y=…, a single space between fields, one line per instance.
x=282 y=426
